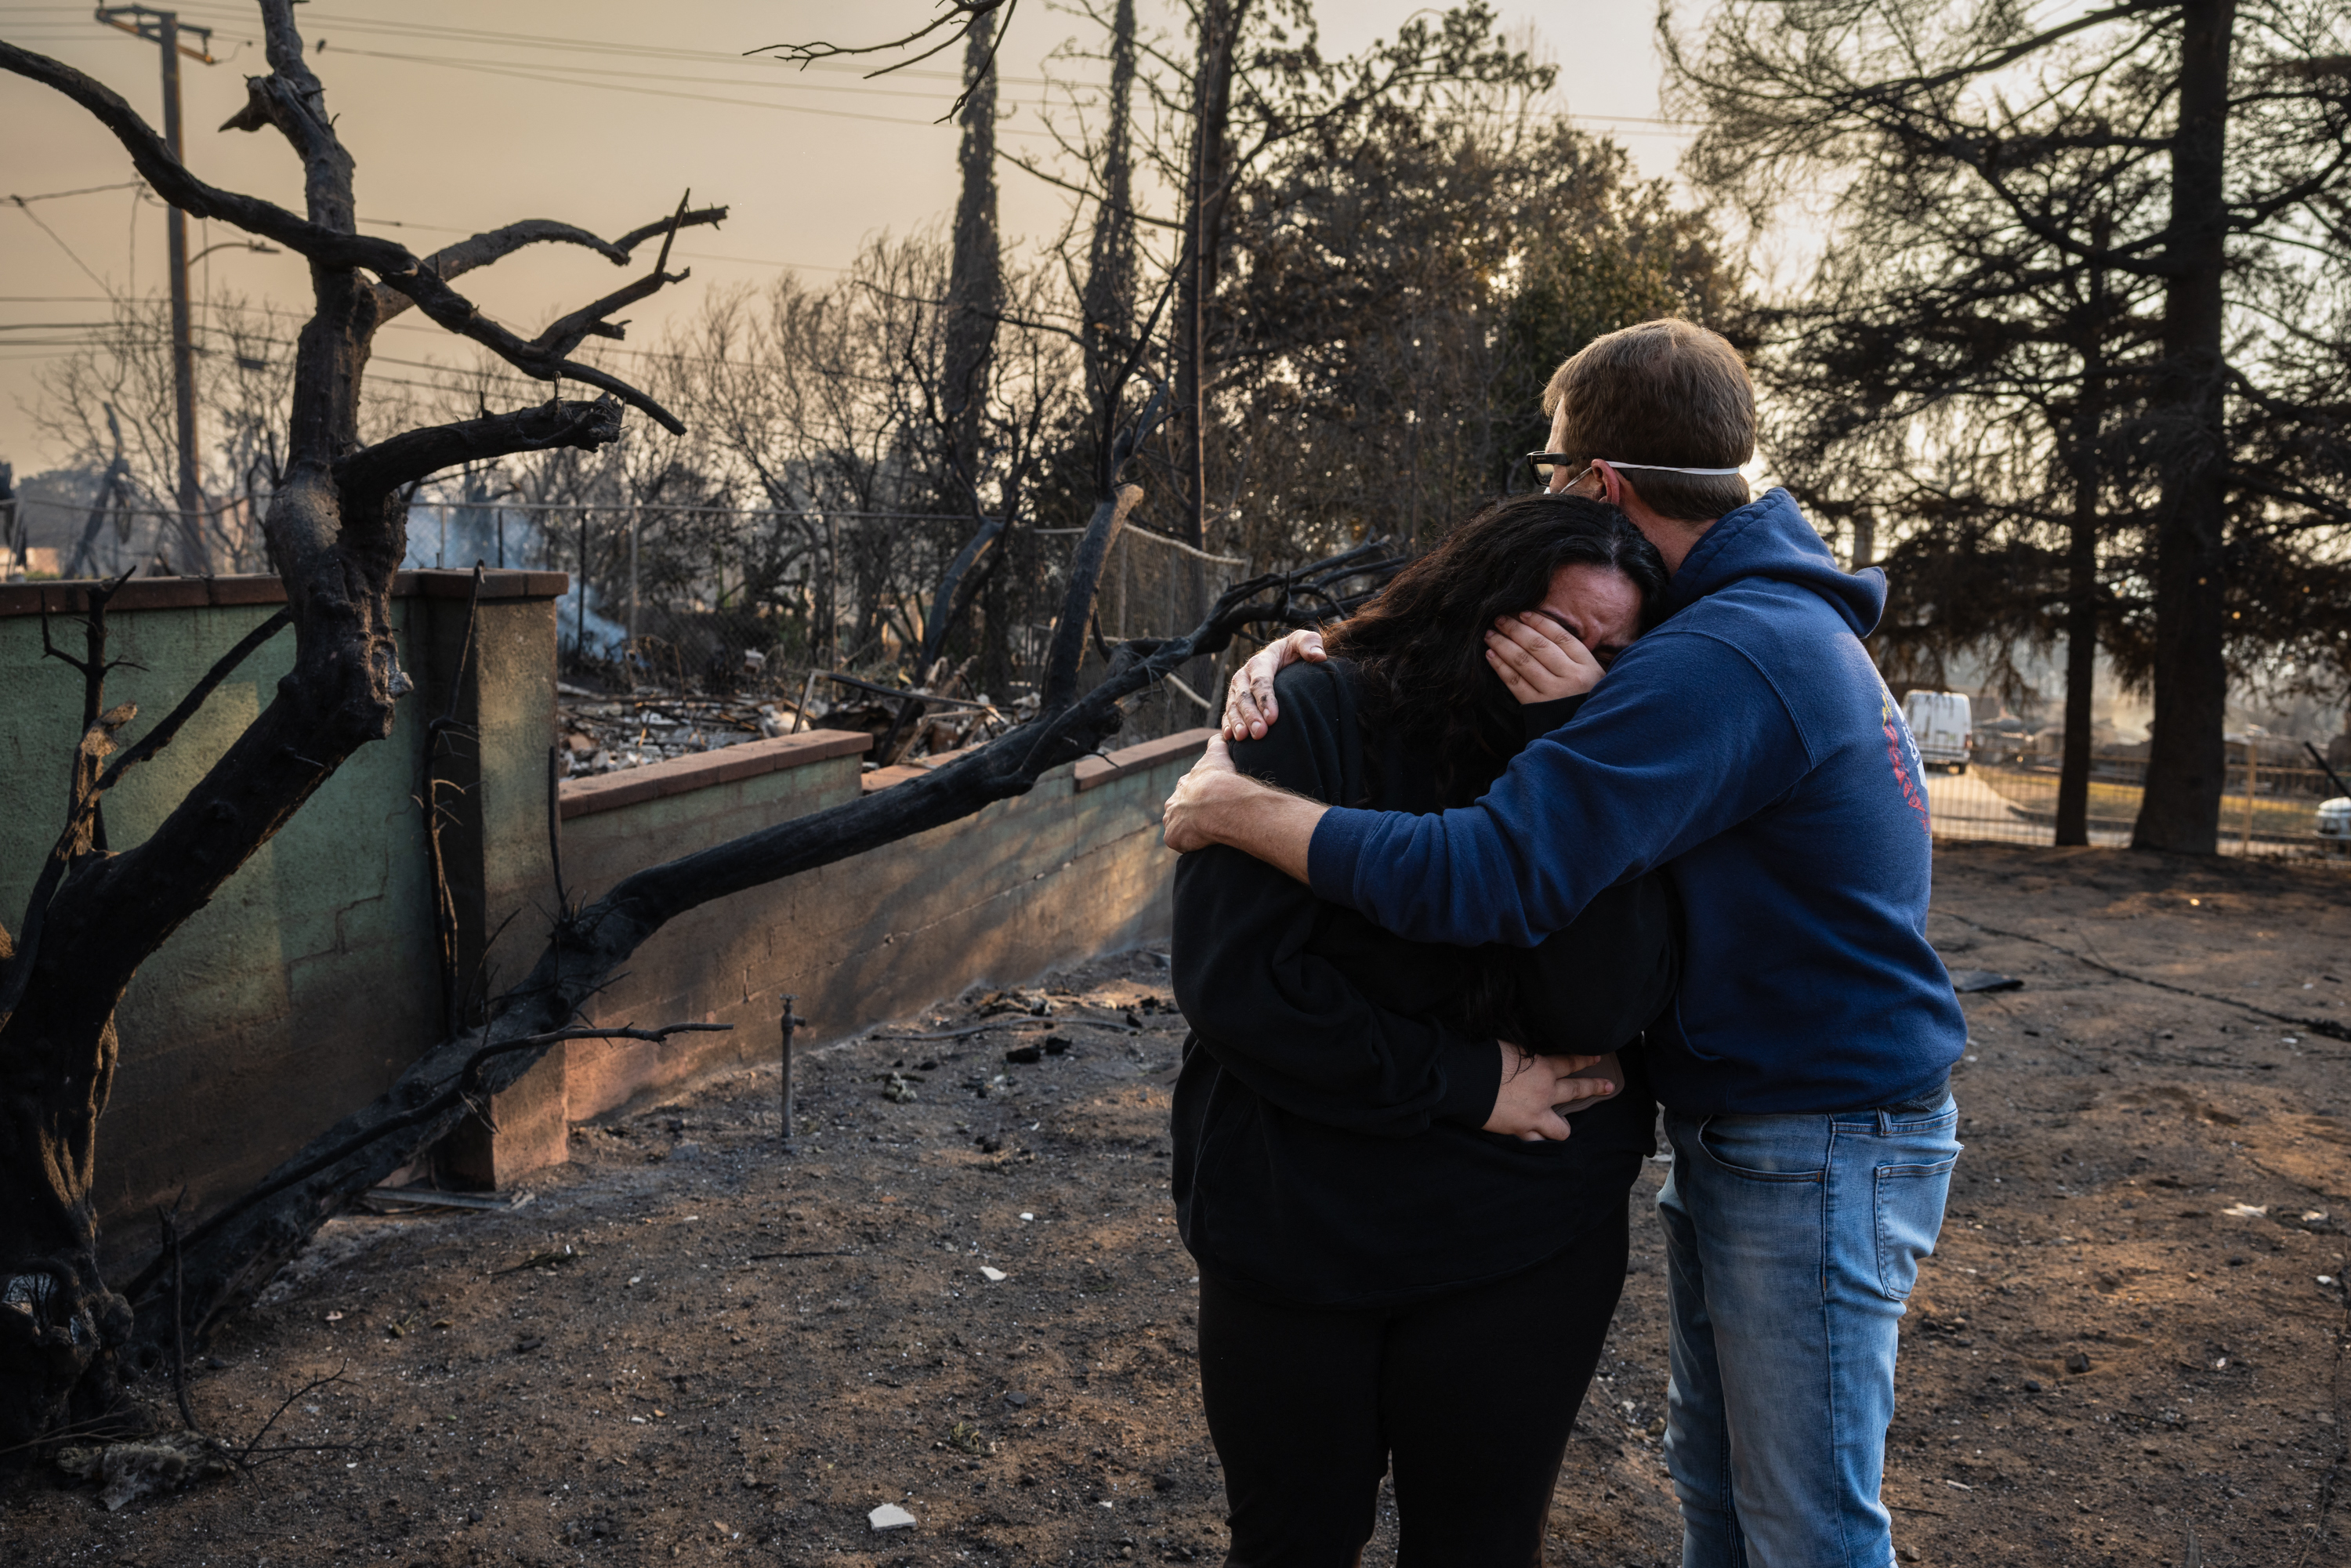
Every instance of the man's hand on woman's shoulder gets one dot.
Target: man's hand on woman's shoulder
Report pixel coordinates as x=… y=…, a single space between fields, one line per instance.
x=1215 y=803
x=1249 y=705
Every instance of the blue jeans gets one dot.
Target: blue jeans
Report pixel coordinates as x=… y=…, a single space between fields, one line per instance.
x=1791 y=1244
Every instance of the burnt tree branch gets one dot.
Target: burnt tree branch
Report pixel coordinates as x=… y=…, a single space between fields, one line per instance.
x=495 y=245
x=962 y=15
x=162 y=735
x=398 y=268
x=377 y=471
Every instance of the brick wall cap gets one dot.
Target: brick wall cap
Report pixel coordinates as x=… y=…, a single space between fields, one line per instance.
x=683 y=775
x=71 y=597
x=1090 y=773
x=1181 y=747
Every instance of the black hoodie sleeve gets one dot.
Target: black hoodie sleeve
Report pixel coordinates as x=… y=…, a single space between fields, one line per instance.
x=1285 y=1019
x=1542 y=719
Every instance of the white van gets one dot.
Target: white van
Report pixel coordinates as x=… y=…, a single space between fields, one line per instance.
x=1939 y=722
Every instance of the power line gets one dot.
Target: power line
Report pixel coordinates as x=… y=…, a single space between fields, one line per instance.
x=537 y=73
x=348 y=23
x=84 y=191
x=929 y=95
x=61 y=245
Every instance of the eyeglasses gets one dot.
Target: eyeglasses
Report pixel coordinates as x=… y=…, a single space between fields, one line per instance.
x=1543 y=463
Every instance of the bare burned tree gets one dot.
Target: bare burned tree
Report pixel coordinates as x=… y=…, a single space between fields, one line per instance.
x=975 y=268
x=336 y=531
x=961 y=21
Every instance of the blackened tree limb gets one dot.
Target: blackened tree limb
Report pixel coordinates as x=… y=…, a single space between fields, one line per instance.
x=565 y=333
x=453 y=261
x=963 y=15
x=394 y=262
x=377 y=471
x=458 y=1096
x=182 y=189
x=1068 y=647
x=687 y=218
x=336 y=541
x=162 y=735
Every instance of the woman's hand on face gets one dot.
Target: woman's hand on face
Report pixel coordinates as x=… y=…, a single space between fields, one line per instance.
x=1249 y=708
x=1540 y=660
x=1525 y=1107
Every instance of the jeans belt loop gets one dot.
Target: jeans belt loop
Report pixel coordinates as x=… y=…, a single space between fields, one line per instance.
x=1884 y=1122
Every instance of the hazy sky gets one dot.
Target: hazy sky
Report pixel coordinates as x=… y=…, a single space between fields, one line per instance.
x=463 y=116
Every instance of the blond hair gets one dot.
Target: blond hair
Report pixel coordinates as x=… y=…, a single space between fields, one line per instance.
x=1662 y=391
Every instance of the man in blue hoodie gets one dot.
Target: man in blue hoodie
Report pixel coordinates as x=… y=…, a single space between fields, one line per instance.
x=1747 y=746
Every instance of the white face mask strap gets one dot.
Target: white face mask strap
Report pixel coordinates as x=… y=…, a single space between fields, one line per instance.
x=1669 y=468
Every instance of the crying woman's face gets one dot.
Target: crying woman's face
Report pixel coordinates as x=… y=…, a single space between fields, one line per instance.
x=1597 y=605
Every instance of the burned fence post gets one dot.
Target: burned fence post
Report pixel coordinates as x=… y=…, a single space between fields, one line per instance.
x=791 y=1021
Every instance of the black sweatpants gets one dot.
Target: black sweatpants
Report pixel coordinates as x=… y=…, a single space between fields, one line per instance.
x=1471 y=1396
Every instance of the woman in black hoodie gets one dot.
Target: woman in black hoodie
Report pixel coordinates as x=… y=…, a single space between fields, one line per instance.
x=1405 y=1257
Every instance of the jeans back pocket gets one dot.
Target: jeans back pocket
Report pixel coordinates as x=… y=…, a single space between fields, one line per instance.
x=1908 y=1203
x=1767 y=1148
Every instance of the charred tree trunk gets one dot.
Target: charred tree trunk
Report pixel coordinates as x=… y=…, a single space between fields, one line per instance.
x=335 y=530
x=1208 y=192
x=975 y=268
x=2187 y=764
x=1109 y=303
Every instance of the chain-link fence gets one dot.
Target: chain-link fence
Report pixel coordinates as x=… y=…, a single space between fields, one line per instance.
x=656 y=661
x=1154 y=586
x=2265 y=810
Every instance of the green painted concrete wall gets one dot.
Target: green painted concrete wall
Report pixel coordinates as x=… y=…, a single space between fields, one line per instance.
x=305 y=984
x=309 y=982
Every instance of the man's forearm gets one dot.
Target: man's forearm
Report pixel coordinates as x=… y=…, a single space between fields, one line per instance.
x=1213 y=804
x=1273 y=825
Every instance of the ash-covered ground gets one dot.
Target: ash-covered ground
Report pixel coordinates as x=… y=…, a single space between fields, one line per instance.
x=2134 y=1328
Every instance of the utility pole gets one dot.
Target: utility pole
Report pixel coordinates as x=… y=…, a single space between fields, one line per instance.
x=164 y=29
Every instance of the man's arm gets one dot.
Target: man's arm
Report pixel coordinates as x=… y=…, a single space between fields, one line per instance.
x=1685 y=739
x=1291 y=1024
x=1215 y=803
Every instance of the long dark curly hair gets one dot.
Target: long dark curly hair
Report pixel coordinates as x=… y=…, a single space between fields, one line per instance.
x=1420 y=645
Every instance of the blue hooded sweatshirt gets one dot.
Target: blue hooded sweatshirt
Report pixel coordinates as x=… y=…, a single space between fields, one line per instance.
x=1748 y=746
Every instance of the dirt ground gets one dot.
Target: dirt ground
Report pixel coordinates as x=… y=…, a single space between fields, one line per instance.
x=2135 y=1327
